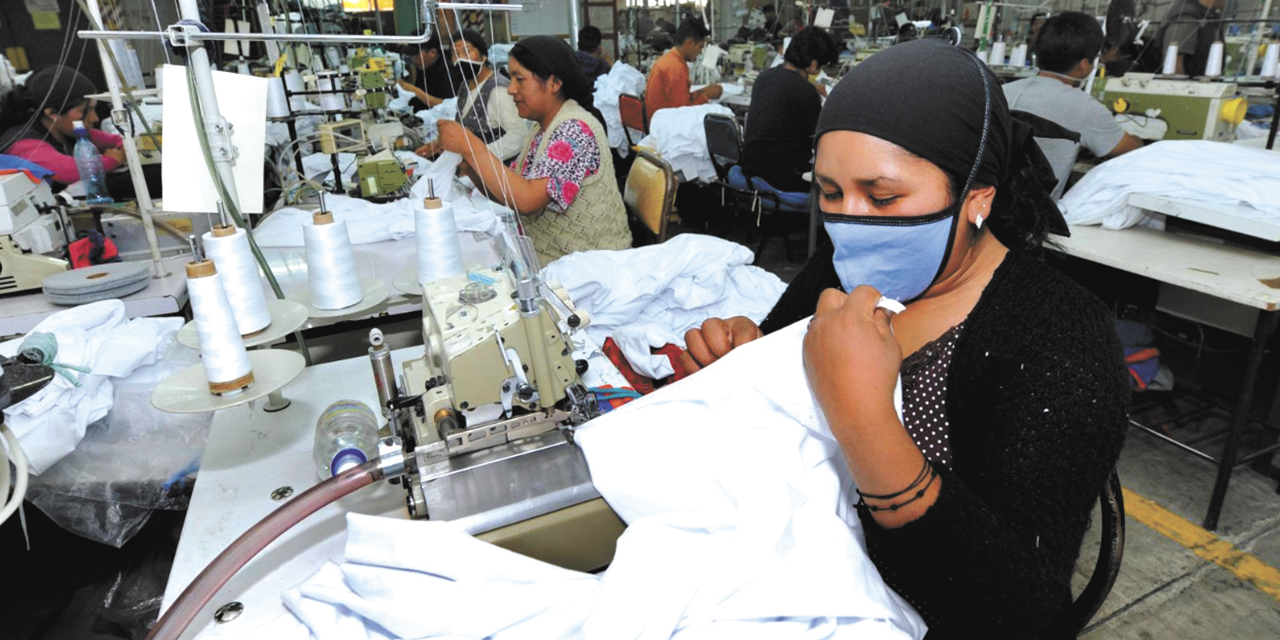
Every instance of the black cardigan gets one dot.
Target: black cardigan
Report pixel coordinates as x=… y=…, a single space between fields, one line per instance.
x=1037 y=409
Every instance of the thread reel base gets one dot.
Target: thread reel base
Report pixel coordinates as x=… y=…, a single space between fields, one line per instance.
x=375 y=293
x=188 y=390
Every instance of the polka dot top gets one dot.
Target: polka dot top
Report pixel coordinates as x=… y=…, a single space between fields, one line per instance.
x=924 y=395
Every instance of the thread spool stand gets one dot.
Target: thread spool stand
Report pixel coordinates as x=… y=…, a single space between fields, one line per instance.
x=407 y=281
x=373 y=293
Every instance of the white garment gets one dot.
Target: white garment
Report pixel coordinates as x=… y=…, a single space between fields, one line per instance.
x=446 y=110
x=737 y=500
x=99 y=336
x=651 y=296
x=1195 y=170
x=621 y=79
x=680 y=139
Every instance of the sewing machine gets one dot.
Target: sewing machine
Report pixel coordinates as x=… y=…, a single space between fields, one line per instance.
x=486 y=417
x=1191 y=109
x=28 y=228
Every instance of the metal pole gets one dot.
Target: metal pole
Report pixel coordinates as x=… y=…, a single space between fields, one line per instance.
x=1256 y=38
x=574 y=10
x=219 y=135
x=130 y=147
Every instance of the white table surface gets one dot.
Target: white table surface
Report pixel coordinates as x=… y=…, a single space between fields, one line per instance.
x=162 y=297
x=1204 y=265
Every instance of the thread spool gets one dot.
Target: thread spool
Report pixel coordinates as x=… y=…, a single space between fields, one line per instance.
x=1019 y=57
x=277 y=105
x=331 y=267
x=293 y=80
x=242 y=68
x=1170 y=60
x=228 y=248
x=327 y=83
x=1213 y=67
x=1271 y=60
x=439 y=253
x=226 y=363
x=997 y=53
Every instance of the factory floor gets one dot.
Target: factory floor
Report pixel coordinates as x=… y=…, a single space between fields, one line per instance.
x=1176 y=580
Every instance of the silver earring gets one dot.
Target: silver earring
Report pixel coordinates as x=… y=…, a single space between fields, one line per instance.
x=978 y=223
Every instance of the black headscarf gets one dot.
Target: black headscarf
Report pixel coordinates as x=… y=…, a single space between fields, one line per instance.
x=57 y=88
x=941 y=103
x=545 y=56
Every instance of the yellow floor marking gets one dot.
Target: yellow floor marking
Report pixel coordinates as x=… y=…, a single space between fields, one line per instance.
x=1245 y=566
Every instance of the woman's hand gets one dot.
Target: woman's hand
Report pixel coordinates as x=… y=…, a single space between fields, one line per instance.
x=851 y=357
x=429 y=150
x=116 y=154
x=716 y=338
x=454 y=137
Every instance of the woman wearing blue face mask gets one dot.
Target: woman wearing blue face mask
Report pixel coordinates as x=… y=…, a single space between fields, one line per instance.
x=974 y=502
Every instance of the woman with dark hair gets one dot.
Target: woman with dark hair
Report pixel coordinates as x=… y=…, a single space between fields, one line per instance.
x=562 y=184
x=974 y=498
x=484 y=106
x=38 y=122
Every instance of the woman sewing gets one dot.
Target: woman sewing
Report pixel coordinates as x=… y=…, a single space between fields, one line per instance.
x=38 y=119
x=975 y=501
x=562 y=183
x=484 y=106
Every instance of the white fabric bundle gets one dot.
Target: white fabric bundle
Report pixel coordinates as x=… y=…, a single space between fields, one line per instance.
x=746 y=532
x=651 y=296
x=99 y=336
x=1194 y=170
x=622 y=78
x=680 y=139
x=446 y=110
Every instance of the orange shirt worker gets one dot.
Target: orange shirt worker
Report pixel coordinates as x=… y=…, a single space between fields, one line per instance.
x=668 y=84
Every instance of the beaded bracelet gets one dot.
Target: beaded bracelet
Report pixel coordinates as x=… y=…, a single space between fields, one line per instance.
x=924 y=470
x=933 y=474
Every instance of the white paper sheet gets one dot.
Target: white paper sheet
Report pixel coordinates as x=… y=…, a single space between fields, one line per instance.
x=242 y=102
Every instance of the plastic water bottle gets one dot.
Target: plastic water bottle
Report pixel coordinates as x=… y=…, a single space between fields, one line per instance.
x=89 y=164
x=346 y=436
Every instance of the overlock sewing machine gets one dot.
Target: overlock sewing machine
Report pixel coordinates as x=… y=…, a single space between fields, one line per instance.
x=29 y=227
x=1182 y=109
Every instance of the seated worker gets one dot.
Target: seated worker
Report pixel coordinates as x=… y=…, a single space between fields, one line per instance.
x=563 y=183
x=38 y=123
x=668 y=84
x=591 y=53
x=484 y=106
x=772 y=28
x=777 y=145
x=433 y=80
x=1066 y=47
x=1196 y=31
x=974 y=502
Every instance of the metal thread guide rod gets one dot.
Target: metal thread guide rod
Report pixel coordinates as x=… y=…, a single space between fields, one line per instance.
x=194 y=242
x=431 y=201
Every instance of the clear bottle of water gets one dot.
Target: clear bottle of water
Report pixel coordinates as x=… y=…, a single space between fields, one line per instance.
x=346 y=436
x=89 y=164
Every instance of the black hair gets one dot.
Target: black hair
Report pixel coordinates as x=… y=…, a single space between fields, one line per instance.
x=768 y=8
x=473 y=38
x=54 y=87
x=809 y=45
x=1066 y=39
x=555 y=58
x=589 y=38
x=691 y=30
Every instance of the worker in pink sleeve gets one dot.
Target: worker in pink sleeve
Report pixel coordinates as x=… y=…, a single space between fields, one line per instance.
x=38 y=122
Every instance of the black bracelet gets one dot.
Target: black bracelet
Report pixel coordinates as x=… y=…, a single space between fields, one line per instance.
x=924 y=471
x=933 y=474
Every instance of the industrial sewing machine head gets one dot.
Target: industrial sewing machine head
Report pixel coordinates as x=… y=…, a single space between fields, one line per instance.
x=28 y=228
x=497 y=371
x=1182 y=109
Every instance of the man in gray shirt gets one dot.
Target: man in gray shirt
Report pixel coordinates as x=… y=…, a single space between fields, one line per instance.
x=1065 y=48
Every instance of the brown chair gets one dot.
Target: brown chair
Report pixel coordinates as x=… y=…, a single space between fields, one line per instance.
x=649 y=194
x=631 y=110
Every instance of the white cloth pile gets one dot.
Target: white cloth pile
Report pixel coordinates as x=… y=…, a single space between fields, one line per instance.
x=99 y=336
x=446 y=110
x=680 y=139
x=649 y=297
x=622 y=78
x=737 y=500
x=1194 y=170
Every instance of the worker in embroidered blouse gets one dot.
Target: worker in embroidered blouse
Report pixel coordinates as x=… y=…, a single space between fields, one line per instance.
x=562 y=183
x=668 y=84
